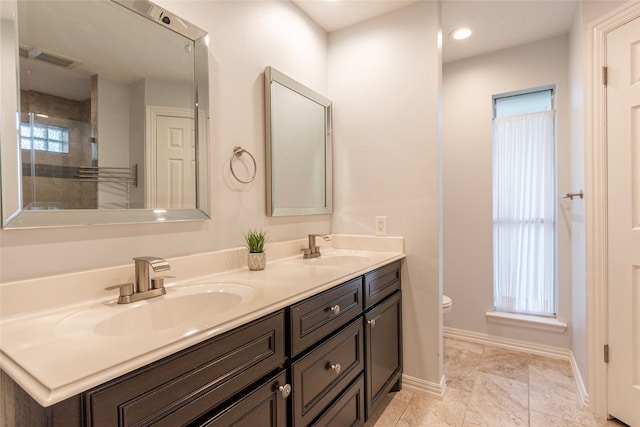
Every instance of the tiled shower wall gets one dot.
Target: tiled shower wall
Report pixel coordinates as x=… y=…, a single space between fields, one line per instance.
x=48 y=178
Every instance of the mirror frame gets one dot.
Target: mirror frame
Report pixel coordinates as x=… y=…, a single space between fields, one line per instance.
x=14 y=217
x=272 y=75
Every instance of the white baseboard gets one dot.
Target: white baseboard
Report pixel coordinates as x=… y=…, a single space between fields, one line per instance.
x=418 y=385
x=507 y=343
x=584 y=395
x=523 y=346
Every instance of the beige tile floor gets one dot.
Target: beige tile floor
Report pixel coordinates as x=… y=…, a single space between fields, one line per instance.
x=493 y=387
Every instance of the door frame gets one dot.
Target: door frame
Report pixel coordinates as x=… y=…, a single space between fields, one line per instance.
x=152 y=114
x=596 y=201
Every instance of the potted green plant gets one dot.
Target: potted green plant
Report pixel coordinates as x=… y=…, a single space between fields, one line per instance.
x=254 y=242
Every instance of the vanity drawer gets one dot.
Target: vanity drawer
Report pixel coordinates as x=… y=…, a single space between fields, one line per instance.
x=348 y=410
x=184 y=386
x=263 y=407
x=321 y=375
x=318 y=316
x=380 y=283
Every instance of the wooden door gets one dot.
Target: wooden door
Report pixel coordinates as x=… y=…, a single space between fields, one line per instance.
x=175 y=163
x=623 y=210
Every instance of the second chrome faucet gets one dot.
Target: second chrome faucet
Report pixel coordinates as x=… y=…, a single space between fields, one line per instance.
x=313 y=251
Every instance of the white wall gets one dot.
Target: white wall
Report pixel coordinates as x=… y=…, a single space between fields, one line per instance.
x=578 y=230
x=468 y=86
x=9 y=87
x=384 y=83
x=245 y=37
x=113 y=139
x=137 y=117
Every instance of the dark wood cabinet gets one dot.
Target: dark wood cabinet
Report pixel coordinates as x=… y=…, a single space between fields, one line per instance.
x=383 y=346
x=319 y=341
x=20 y=409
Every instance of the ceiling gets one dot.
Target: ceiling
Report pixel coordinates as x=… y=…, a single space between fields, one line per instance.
x=497 y=24
x=119 y=39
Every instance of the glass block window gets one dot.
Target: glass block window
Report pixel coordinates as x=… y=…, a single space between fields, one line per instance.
x=45 y=138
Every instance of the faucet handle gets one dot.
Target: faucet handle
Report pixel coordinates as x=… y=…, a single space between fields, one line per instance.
x=126 y=289
x=158 y=282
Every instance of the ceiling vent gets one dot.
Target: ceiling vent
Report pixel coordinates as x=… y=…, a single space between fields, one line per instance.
x=49 y=57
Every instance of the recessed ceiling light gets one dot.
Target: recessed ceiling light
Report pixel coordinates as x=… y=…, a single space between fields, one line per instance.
x=460 y=33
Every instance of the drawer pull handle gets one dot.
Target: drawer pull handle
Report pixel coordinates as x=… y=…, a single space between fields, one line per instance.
x=285 y=390
x=335 y=309
x=372 y=322
x=336 y=368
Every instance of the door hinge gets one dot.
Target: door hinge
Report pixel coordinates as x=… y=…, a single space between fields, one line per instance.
x=606 y=353
x=604 y=76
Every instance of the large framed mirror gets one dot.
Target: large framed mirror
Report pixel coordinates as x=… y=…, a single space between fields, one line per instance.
x=112 y=109
x=298 y=147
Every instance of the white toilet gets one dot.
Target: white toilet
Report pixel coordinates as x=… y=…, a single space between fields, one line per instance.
x=447 y=306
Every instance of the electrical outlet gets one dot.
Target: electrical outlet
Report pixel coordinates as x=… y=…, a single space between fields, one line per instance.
x=381 y=226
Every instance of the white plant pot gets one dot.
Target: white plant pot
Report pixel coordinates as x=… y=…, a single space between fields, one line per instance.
x=257 y=261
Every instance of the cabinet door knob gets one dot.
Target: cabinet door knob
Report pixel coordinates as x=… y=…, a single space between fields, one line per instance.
x=336 y=368
x=372 y=322
x=335 y=309
x=285 y=390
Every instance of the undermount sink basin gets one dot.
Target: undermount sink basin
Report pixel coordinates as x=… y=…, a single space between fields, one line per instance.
x=189 y=306
x=338 y=260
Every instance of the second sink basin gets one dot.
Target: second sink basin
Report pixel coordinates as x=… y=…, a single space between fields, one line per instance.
x=190 y=306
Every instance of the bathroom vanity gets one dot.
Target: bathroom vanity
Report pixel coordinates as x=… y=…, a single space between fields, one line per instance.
x=324 y=356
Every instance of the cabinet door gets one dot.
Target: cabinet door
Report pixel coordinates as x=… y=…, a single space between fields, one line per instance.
x=266 y=406
x=383 y=345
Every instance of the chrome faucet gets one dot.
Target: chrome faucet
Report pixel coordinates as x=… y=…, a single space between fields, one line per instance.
x=144 y=286
x=313 y=251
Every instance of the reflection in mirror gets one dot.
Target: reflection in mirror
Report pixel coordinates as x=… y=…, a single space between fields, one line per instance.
x=113 y=115
x=298 y=141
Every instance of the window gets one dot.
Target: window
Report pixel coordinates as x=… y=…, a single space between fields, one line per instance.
x=44 y=137
x=524 y=203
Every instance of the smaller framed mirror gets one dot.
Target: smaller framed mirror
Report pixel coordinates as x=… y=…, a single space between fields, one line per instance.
x=298 y=148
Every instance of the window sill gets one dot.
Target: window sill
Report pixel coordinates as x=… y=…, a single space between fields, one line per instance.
x=527 y=321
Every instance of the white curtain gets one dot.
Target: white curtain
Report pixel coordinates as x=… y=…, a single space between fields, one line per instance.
x=524 y=206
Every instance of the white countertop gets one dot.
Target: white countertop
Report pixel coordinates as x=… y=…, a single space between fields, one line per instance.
x=52 y=365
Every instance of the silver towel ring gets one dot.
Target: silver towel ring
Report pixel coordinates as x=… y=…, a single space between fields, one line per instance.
x=237 y=152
